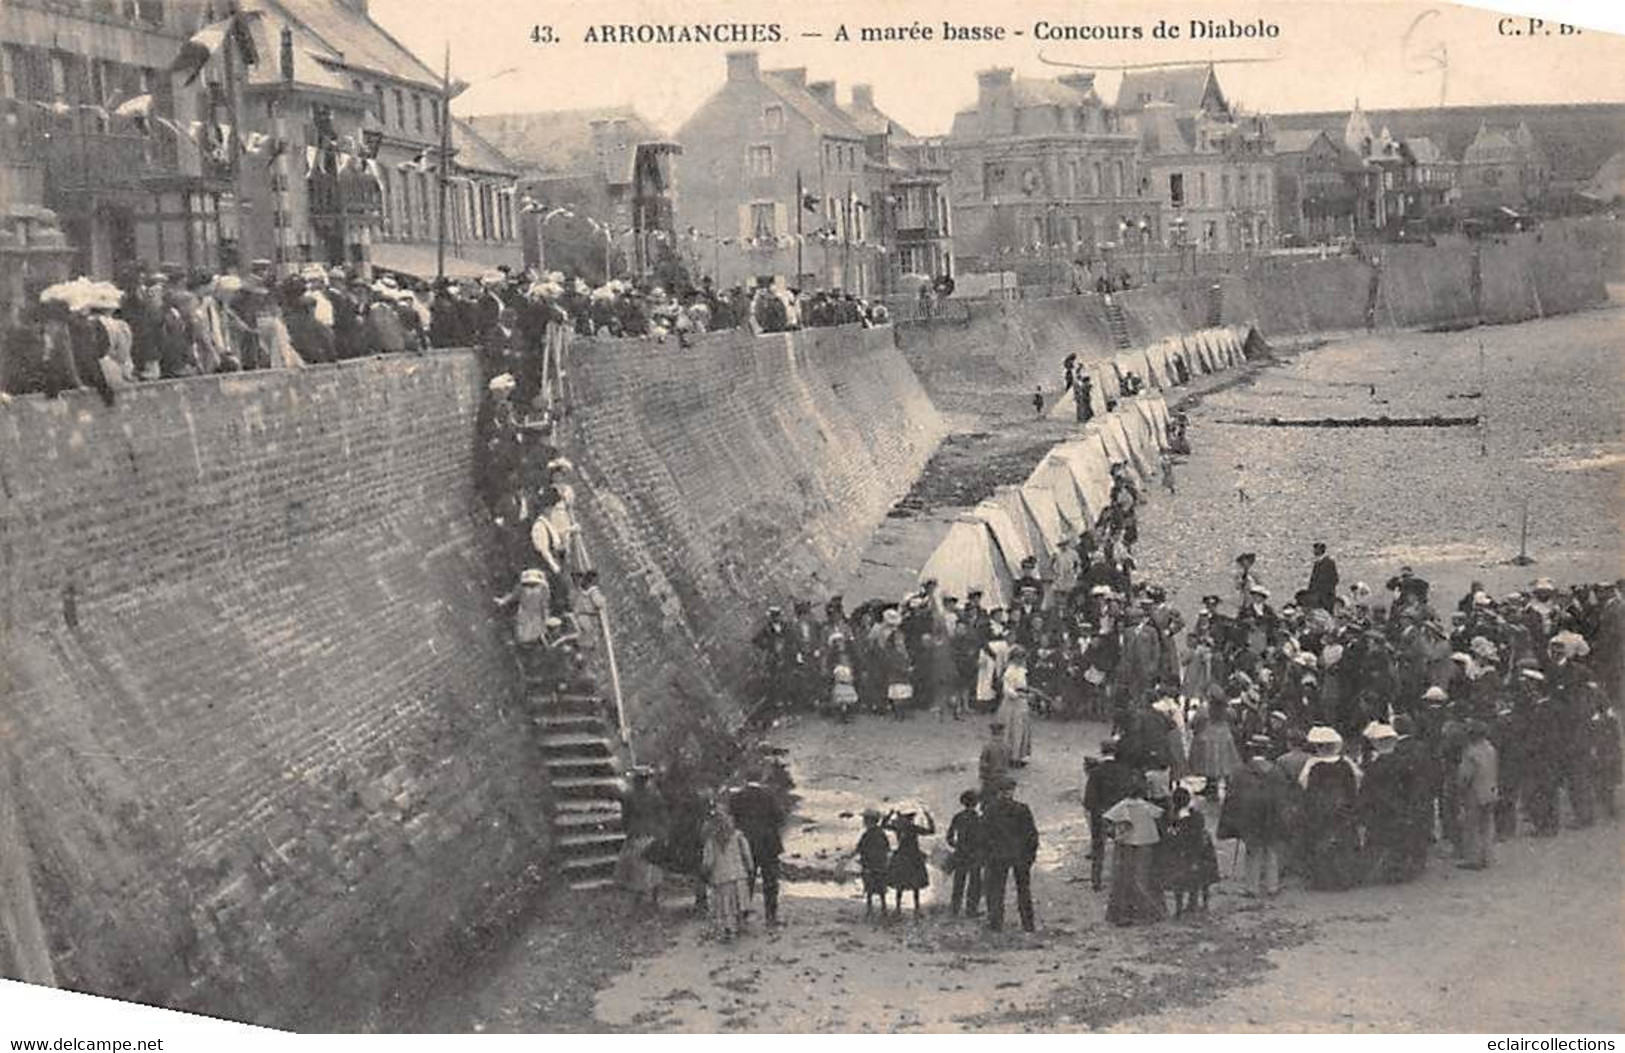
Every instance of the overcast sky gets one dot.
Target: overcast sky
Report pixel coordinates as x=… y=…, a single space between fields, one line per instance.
x=1328 y=53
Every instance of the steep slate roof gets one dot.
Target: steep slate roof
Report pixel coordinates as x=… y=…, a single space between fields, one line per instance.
x=360 y=42
x=826 y=120
x=474 y=152
x=1490 y=145
x=1025 y=92
x=1425 y=152
x=313 y=57
x=1297 y=140
x=967 y=124
x=1162 y=132
x=1033 y=91
x=1609 y=182
x=1183 y=86
x=556 y=142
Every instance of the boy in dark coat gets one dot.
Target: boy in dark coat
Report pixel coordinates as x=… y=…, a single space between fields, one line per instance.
x=965 y=838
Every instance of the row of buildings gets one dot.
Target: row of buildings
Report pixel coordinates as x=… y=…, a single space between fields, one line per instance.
x=310 y=135
x=1358 y=182
x=313 y=135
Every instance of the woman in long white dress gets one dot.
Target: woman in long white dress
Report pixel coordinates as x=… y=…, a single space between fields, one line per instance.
x=1015 y=712
x=990 y=663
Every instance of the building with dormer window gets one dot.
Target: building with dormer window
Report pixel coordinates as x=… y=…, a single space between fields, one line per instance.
x=1211 y=169
x=1044 y=175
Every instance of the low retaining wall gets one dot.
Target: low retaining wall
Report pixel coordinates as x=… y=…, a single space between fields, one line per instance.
x=1013 y=346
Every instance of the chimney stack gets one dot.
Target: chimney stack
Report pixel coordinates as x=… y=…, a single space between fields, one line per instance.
x=863 y=96
x=994 y=108
x=995 y=79
x=796 y=76
x=285 y=56
x=744 y=65
x=823 y=91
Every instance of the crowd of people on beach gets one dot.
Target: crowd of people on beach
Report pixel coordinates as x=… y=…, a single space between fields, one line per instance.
x=154 y=323
x=1339 y=737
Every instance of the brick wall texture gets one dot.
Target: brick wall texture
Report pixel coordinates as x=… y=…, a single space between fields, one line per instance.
x=255 y=713
x=720 y=478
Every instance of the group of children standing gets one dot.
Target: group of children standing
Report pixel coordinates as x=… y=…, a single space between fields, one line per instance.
x=885 y=868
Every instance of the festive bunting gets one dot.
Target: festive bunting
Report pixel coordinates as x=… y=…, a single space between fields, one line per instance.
x=197 y=51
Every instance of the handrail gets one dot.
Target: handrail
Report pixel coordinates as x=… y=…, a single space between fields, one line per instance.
x=555 y=353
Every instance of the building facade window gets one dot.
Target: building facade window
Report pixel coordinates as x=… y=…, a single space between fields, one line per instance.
x=1201 y=189
x=1097 y=186
x=759 y=160
x=400 y=109
x=762 y=227
x=417 y=113
x=992 y=179
x=1119 y=183
x=773 y=118
x=1176 y=189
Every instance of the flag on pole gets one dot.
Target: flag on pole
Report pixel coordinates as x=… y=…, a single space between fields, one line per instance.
x=197 y=51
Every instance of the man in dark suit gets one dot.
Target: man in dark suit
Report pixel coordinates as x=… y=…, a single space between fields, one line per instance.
x=1322 y=579
x=759 y=818
x=1010 y=839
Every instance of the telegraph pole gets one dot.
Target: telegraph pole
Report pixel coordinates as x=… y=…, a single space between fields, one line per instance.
x=445 y=161
x=801 y=196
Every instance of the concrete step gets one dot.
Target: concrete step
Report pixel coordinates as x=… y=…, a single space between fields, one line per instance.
x=601 y=765
x=590 y=839
x=576 y=739
x=603 y=817
x=566 y=723
x=594 y=862
x=579 y=786
x=585 y=805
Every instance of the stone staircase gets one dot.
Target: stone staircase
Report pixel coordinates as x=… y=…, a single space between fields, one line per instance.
x=581 y=751
x=1117 y=322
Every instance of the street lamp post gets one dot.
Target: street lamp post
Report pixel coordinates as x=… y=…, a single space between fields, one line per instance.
x=449 y=91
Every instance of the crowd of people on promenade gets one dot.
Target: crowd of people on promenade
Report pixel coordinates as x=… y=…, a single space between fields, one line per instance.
x=167 y=322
